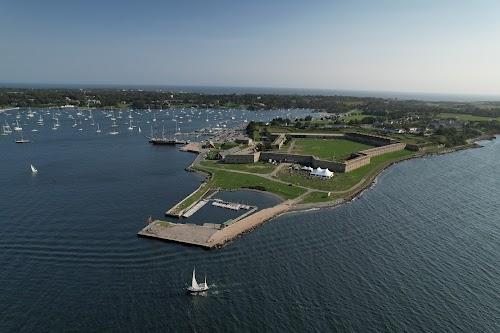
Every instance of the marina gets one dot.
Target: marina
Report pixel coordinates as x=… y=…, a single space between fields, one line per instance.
x=210 y=236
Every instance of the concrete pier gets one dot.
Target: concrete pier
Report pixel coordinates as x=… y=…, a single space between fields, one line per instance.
x=195 y=208
x=190 y=234
x=208 y=235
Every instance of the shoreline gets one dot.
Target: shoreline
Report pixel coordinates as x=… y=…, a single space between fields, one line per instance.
x=220 y=237
x=372 y=181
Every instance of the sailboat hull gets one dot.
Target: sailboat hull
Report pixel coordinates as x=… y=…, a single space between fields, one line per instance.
x=202 y=288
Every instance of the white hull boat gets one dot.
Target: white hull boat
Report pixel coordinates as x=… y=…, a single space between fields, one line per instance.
x=197 y=287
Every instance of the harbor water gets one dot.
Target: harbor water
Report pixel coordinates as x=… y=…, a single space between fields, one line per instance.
x=418 y=252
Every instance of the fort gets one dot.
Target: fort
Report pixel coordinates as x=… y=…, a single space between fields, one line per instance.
x=240 y=169
x=358 y=159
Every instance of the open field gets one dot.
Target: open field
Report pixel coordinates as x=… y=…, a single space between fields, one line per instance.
x=258 y=167
x=465 y=117
x=342 y=181
x=235 y=180
x=188 y=201
x=355 y=115
x=331 y=149
x=316 y=197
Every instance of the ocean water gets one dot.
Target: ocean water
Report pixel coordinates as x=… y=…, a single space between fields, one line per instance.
x=420 y=251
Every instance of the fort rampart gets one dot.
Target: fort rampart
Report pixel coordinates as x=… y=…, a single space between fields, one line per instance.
x=357 y=160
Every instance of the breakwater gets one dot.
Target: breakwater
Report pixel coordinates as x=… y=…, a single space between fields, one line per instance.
x=209 y=235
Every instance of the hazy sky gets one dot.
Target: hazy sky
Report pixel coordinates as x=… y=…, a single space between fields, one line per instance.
x=399 y=45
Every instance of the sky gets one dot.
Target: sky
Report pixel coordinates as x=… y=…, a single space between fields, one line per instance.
x=436 y=46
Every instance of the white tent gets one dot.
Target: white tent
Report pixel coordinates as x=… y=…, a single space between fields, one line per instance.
x=324 y=173
x=307 y=168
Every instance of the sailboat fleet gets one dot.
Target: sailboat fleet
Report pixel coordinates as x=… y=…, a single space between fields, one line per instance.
x=191 y=120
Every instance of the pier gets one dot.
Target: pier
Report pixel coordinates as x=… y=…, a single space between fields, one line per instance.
x=189 y=234
x=192 y=147
x=195 y=208
x=229 y=205
x=211 y=235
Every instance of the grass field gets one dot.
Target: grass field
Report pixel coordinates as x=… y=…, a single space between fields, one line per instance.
x=316 y=197
x=232 y=180
x=465 y=117
x=355 y=115
x=343 y=181
x=328 y=149
x=192 y=199
x=248 y=167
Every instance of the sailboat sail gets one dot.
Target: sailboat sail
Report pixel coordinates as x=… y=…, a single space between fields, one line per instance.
x=33 y=169
x=194 y=284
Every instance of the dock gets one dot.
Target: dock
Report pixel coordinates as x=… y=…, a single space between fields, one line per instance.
x=210 y=235
x=195 y=208
x=190 y=234
x=192 y=147
x=229 y=205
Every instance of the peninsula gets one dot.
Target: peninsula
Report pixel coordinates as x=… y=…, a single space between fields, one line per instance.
x=309 y=163
x=320 y=160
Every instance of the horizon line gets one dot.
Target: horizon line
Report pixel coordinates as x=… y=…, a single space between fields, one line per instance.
x=394 y=93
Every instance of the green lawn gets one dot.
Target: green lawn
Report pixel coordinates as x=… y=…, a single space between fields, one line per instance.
x=328 y=149
x=465 y=117
x=355 y=115
x=316 y=197
x=193 y=198
x=232 y=180
x=343 y=181
x=258 y=167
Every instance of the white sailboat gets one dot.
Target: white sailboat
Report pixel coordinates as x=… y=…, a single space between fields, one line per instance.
x=18 y=128
x=22 y=140
x=140 y=129
x=195 y=287
x=6 y=130
x=113 y=130
x=98 y=129
x=33 y=169
x=130 y=128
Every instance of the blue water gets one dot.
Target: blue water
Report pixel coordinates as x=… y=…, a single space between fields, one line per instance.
x=417 y=252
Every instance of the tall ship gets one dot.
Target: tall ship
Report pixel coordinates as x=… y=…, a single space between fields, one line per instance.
x=162 y=140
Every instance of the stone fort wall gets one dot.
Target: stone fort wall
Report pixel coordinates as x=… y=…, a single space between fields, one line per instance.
x=384 y=149
x=357 y=160
x=242 y=158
